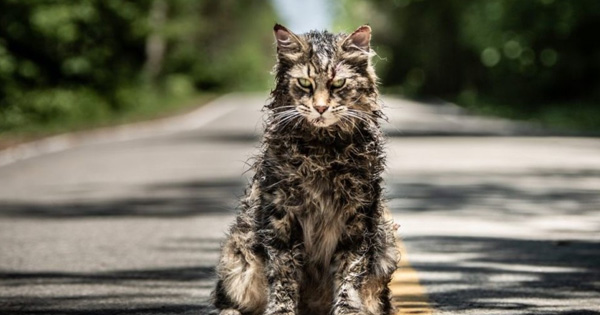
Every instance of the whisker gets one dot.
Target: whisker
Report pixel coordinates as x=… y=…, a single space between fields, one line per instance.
x=361 y=114
x=287 y=118
x=297 y=122
x=354 y=115
x=284 y=107
x=285 y=113
x=347 y=121
x=288 y=115
x=288 y=121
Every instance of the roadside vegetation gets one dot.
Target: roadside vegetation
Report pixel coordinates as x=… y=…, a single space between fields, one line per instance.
x=535 y=60
x=69 y=65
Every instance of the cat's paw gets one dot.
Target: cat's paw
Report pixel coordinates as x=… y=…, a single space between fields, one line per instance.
x=230 y=312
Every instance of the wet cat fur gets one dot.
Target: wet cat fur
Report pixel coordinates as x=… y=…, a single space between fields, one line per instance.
x=312 y=236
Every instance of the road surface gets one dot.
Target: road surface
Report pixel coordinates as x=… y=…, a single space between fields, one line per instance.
x=494 y=219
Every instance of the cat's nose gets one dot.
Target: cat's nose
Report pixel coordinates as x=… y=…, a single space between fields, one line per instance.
x=321 y=109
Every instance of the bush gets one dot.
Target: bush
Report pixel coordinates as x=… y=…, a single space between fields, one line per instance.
x=83 y=60
x=521 y=54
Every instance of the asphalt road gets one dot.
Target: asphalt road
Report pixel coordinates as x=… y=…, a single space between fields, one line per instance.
x=496 y=218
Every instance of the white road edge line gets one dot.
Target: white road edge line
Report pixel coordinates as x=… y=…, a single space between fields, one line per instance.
x=193 y=120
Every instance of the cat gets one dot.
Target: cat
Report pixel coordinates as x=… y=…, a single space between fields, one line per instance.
x=312 y=235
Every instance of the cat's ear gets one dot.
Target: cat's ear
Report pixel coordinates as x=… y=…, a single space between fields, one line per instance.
x=287 y=42
x=359 y=39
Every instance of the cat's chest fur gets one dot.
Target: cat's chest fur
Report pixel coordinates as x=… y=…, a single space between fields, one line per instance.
x=330 y=186
x=322 y=220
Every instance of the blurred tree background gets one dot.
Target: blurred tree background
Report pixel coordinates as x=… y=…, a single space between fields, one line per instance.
x=66 y=65
x=537 y=59
x=70 y=64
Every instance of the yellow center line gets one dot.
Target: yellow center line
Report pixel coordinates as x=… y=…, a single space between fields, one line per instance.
x=409 y=296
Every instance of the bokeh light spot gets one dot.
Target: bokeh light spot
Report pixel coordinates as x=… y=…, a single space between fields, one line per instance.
x=490 y=57
x=527 y=57
x=548 y=57
x=494 y=10
x=512 y=49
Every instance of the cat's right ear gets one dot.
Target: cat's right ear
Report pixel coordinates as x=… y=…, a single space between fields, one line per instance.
x=288 y=44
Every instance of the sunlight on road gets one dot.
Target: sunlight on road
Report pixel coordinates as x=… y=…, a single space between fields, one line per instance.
x=409 y=297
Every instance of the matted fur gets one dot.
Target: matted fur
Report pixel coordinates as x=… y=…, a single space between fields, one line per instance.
x=311 y=236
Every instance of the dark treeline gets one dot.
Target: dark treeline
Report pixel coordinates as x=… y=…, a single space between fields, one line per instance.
x=524 y=58
x=89 y=59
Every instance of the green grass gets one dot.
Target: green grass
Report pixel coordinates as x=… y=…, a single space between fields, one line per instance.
x=142 y=105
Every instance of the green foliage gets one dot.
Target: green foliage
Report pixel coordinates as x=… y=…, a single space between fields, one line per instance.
x=223 y=45
x=88 y=60
x=47 y=104
x=545 y=50
x=521 y=54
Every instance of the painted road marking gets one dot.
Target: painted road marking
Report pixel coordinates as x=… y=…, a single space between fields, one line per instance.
x=409 y=296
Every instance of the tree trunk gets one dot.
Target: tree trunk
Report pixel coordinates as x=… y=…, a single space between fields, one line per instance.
x=155 y=42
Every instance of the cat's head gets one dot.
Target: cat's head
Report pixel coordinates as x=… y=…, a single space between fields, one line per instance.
x=324 y=79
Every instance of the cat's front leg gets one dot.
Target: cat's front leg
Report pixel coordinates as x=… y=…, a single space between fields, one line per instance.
x=351 y=267
x=283 y=262
x=283 y=269
x=361 y=277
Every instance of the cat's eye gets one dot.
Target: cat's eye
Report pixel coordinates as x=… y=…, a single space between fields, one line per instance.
x=336 y=84
x=305 y=83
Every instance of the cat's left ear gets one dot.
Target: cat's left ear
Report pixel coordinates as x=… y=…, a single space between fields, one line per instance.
x=287 y=42
x=359 y=39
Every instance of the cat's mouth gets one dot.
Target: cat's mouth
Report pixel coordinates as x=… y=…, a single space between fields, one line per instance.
x=323 y=122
